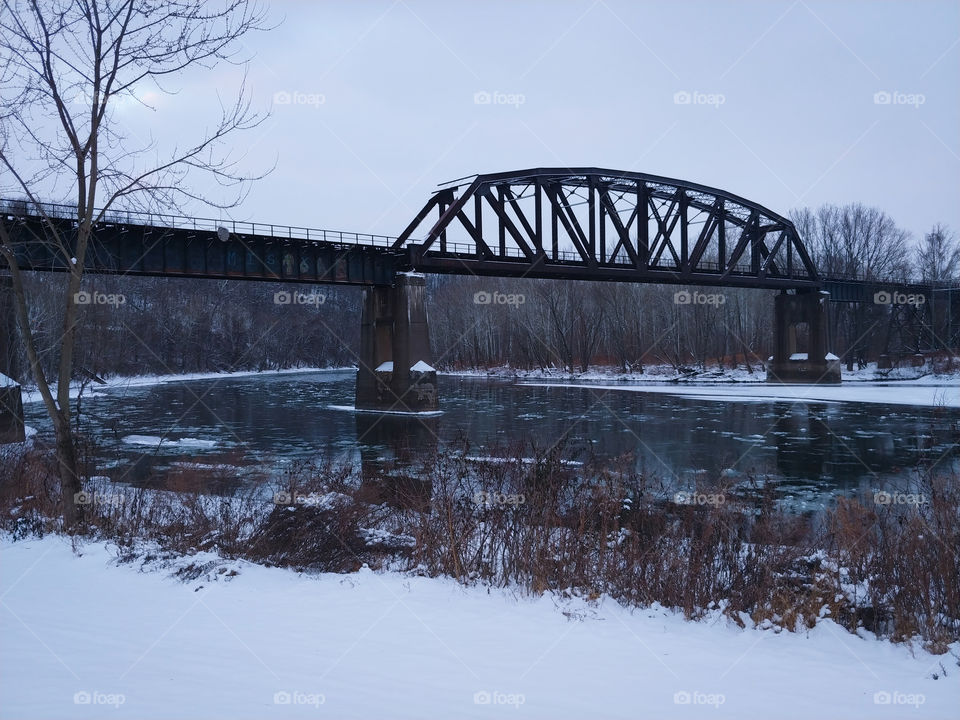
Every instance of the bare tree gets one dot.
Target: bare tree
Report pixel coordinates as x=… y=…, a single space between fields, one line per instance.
x=856 y=241
x=938 y=255
x=65 y=65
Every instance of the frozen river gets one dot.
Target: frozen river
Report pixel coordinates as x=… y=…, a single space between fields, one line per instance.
x=811 y=443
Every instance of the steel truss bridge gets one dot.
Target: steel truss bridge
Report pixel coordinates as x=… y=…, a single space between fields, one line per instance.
x=571 y=223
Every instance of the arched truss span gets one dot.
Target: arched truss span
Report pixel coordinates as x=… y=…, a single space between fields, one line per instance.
x=591 y=223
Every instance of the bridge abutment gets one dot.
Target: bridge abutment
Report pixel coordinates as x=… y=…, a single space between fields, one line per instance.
x=395 y=373
x=11 y=400
x=802 y=320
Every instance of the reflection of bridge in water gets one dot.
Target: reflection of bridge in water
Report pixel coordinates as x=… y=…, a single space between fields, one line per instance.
x=394 y=480
x=571 y=224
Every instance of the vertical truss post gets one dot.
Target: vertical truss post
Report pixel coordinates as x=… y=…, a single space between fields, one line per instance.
x=442 y=208
x=592 y=213
x=722 y=236
x=554 y=217
x=684 y=249
x=602 y=231
x=643 y=225
x=501 y=227
x=478 y=218
x=538 y=216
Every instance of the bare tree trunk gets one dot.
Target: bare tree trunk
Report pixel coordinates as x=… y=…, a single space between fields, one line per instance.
x=69 y=471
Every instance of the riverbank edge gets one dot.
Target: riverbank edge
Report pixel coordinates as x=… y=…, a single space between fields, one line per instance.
x=653 y=375
x=32 y=395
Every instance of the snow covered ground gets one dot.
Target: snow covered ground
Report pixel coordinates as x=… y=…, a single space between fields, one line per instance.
x=84 y=637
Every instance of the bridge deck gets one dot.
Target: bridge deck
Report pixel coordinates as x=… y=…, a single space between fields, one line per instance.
x=175 y=246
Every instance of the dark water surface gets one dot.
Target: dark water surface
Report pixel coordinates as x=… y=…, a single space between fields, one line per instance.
x=812 y=450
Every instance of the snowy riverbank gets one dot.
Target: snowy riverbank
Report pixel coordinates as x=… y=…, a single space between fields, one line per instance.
x=654 y=374
x=84 y=637
x=904 y=386
x=121 y=381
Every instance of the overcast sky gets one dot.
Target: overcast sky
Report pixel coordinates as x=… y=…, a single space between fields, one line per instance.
x=789 y=104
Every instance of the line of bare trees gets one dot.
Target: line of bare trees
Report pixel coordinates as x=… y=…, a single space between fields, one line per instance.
x=161 y=326
x=541 y=324
x=858 y=241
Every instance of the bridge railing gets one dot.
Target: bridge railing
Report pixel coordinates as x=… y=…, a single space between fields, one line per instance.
x=867 y=279
x=180 y=222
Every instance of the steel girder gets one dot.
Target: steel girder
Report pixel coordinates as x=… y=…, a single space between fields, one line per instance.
x=135 y=244
x=596 y=224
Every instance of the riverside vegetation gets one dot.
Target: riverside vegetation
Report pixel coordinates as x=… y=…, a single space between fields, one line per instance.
x=528 y=519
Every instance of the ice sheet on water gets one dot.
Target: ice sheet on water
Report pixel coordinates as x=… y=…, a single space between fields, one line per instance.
x=154 y=440
x=353 y=408
x=900 y=393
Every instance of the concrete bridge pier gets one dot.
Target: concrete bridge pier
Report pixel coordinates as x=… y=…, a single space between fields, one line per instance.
x=11 y=400
x=395 y=372
x=800 y=332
